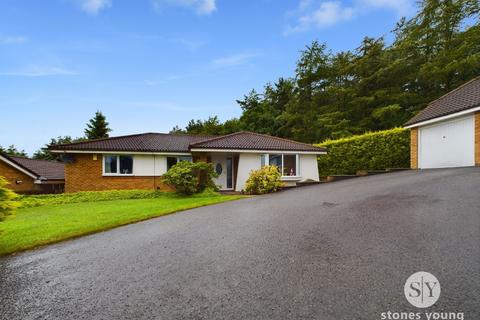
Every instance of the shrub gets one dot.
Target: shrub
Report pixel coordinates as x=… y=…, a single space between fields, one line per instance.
x=8 y=202
x=191 y=177
x=371 y=151
x=87 y=196
x=264 y=180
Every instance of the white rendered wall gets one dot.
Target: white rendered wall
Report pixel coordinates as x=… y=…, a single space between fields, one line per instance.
x=246 y=163
x=149 y=165
x=309 y=167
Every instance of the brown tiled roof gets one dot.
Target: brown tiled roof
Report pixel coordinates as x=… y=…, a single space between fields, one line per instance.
x=160 y=142
x=146 y=142
x=43 y=169
x=465 y=97
x=254 y=141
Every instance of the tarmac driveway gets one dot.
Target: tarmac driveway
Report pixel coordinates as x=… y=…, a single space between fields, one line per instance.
x=333 y=251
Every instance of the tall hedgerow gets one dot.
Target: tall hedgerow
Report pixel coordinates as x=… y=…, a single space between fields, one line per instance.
x=370 y=151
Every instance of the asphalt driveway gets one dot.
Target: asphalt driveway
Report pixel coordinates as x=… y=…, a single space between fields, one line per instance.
x=333 y=251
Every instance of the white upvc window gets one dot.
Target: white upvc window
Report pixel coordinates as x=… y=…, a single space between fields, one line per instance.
x=117 y=165
x=173 y=160
x=287 y=163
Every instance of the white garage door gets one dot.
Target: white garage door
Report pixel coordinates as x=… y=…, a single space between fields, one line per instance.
x=447 y=144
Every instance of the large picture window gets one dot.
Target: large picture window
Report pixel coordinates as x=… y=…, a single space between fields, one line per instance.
x=171 y=161
x=118 y=164
x=287 y=163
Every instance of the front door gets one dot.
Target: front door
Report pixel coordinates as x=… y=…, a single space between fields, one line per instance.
x=223 y=166
x=229 y=173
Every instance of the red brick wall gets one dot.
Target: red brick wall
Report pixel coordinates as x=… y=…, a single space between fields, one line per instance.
x=12 y=175
x=414 y=148
x=85 y=174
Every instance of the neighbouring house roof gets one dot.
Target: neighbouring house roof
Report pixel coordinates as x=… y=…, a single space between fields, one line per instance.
x=179 y=143
x=145 y=142
x=254 y=141
x=465 y=97
x=41 y=169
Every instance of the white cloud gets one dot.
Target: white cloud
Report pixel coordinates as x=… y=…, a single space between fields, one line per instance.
x=40 y=71
x=202 y=7
x=95 y=6
x=13 y=39
x=234 y=60
x=207 y=7
x=321 y=14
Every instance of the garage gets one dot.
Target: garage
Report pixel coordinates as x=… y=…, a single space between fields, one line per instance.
x=447 y=144
x=446 y=134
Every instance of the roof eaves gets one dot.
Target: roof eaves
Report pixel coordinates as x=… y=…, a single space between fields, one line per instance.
x=414 y=120
x=12 y=161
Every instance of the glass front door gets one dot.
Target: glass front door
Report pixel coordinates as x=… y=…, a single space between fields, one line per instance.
x=229 y=173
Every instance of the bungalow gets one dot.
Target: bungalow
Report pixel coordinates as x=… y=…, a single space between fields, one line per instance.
x=139 y=161
x=447 y=132
x=32 y=176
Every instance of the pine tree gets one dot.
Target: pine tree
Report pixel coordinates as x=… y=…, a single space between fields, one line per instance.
x=97 y=127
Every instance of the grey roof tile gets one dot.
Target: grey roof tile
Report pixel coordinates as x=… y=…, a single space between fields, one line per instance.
x=50 y=170
x=465 y=97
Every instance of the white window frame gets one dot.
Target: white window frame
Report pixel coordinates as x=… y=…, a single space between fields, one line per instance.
x=297 y=163
x=178 y=158
x=118 y=174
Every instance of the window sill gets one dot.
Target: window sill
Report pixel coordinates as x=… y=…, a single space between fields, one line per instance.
x=291 y=178
x=117 y=175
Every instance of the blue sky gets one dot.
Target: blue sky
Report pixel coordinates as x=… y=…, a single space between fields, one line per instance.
x=152 y=64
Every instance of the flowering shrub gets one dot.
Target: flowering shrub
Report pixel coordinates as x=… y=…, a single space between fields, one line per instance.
x=189 y=178
x=8 y=202
x=264 y=180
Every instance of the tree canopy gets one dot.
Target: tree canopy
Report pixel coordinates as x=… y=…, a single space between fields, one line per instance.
x=13 y=151
x=44 y=152
x=376 y=86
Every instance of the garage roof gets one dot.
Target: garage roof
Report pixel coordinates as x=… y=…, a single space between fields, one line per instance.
x=465 y=97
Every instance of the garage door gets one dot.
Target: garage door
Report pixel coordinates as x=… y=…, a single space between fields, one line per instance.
x=447 y=144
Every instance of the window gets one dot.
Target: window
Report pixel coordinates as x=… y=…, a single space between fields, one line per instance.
x=171 y=161
x=113 y=164
x=287 y=163
x=263 y=159
x=275 y=160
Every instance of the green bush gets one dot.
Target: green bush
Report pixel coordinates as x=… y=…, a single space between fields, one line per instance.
x=28 y=201
x=8 y=202
x=371 y=151
x=191 y=177
x=264 y=180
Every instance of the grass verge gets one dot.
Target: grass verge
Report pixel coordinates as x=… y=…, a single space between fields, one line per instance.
x=36 y=226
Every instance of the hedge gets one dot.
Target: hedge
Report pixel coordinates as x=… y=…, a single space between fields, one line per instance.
x=370 y=151
x=28 y=201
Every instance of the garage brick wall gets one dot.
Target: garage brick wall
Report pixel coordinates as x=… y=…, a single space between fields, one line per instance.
x=477 y=139
x=85 y=174
x=12 y=175
x=414 y=148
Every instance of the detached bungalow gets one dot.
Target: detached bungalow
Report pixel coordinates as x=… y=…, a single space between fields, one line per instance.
x=32 y=176
x=447 y=132
x=139 y=161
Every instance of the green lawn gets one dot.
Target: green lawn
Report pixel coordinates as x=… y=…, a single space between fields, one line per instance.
x=31 y=227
